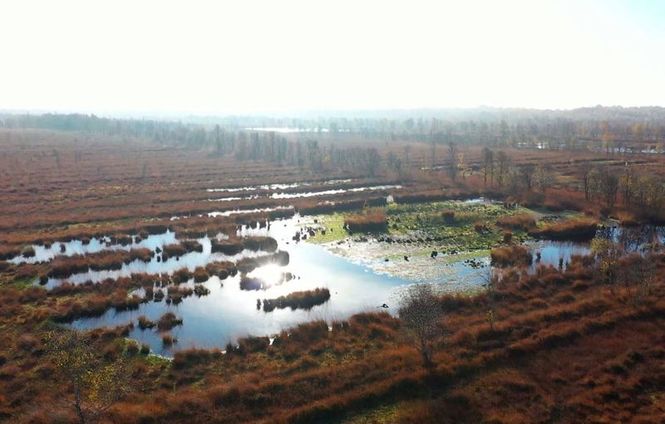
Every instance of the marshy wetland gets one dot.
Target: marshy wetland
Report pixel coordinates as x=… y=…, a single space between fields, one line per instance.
x=238 y=286
x=447 y=243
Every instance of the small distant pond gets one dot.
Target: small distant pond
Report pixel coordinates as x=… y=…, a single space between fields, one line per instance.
x=95 y=245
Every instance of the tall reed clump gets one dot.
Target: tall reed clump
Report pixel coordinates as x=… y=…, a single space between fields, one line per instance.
x=301 y=299
x=519 y=221
x=577 y=229
x=373 y=220
x=514 y=255
x=168 y=321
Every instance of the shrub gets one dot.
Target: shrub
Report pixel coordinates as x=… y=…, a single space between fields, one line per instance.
x=520 y=221
x=190 y=357
x=227 y=247
x=480 y=227
x=267 y=244
x=246 y=265
x=132 y=348
x=28 y=252
x=201 y=290
x=511 y=256
x=144 y=322
x=8 y=252
x=121 y=239
x=448 y=216
x=221 y=269
x=168 y=321
x=191 y=246
x=168 y=340
x=122 y=302
x=159 y=295
x=176 y=294
x=309 y=332
x=578 y=229
x=173 y=251
x=374 y=220
x=182 y=275
x=251 y=283
x=200 y=275
x=155 y=228
x=142 y=254
x=252 y=344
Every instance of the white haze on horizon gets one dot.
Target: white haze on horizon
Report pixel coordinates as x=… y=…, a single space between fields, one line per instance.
x=213 y=57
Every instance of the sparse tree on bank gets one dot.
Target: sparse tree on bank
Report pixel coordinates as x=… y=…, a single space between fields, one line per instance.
x=488 y=165
x=421 y=313
x=527 y=173
x=503 y=163
x=544 y=177
x=452 y=158
x=95 y=385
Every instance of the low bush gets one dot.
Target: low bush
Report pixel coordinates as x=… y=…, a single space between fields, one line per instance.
x=168 y=340
x=221 y=269
x=191 y=357
x=201 y=290
x=251 y=283
x=145 y=323
x=142 y=254
x=28 y=252
x=374 y=220
x=174 y=250
x=448 y=216
x=192 y=246
x=578 y=229
x=227 y=247
x=168 y=321
x=267 y=244
x=200 y=275
x=246 y=265
x=181 y=275
x=511 y=256
x=176 y=294
x=520 y=221
x=252 y=344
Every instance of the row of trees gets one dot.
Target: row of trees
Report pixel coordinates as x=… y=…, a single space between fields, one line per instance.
x=601 y=128
x=637 y=190
x=307 y=154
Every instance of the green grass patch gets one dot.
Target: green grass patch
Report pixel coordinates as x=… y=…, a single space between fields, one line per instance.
x=334 y=222
x=24 y=283
x=451 y=226
x=380 y=415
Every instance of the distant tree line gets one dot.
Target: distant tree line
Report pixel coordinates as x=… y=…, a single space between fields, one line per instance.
x=612 y=129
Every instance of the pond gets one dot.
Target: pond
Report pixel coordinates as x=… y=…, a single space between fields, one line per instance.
x=77 y=247
x=359 y=279
x=228 y=312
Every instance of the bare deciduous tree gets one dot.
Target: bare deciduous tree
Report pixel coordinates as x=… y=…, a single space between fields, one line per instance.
x=452 y=157
x=421 y=312
x=96 y=385
x=488 y=165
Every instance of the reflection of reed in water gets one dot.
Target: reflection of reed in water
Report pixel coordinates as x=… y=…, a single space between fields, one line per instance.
x=633 y=239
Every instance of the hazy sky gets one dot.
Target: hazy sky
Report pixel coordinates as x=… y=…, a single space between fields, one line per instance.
x=244 y=56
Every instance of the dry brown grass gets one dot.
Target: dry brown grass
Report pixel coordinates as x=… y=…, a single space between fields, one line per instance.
x=372 y=220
